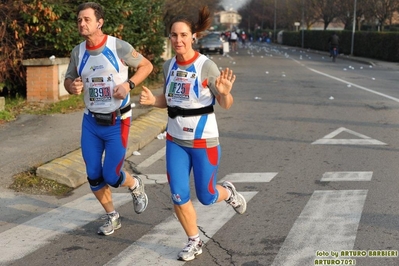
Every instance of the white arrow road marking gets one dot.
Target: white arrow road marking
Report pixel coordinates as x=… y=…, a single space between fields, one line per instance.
x=328 y=222
x=161 y=245
x=346 y=176
x=363 y=139
x=25 y=238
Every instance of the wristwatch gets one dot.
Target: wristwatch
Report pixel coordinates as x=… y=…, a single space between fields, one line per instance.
x=131 y=84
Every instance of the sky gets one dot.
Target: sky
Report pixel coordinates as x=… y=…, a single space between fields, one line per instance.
x=235 y=4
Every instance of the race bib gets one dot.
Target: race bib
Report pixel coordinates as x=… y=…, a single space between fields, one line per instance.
x=100 y=91
x=179 y=91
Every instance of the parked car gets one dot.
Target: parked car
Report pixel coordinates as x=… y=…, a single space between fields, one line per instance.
x=210 y=43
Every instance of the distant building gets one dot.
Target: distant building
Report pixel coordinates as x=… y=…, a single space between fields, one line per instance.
x=395 y=18
x=229 y=19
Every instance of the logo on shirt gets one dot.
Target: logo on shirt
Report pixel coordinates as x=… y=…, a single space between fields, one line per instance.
x=94 y=68
x=187 y=129
x=135 y=54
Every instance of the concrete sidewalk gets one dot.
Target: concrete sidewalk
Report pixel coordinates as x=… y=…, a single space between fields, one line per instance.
x=70 y=168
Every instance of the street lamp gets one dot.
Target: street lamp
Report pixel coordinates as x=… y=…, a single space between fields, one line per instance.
x=353 y=28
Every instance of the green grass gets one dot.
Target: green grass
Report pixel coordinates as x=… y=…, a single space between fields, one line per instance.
x=17 y=106
x=28 y=182
x=12 y=109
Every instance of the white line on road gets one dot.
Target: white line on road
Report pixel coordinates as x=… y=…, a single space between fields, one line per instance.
x=328 y=222
x=161 y=245
x=25 y=238
x=355 y=85
x=249 y=177
x=349 y=83
x=346 y=176
x=153 y=158
x=235 y=178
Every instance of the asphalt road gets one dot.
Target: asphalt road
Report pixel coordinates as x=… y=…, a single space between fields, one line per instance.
x=313 y=146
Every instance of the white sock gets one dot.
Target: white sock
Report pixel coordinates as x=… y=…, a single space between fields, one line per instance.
x=196 y=238
x=112 y=213
x=136 y=183
x=228 y=193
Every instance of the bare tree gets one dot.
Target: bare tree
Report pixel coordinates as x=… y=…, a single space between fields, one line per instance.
x=346 y=9
x=382 y=10
x=346 y=12
x=255 y=13
x=303 y=9
x=260 y=14
x=325 y=10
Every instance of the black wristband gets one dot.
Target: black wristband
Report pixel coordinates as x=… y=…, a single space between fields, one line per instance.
x=131 y=84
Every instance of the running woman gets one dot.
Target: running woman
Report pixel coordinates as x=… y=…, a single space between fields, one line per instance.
x=193 y=83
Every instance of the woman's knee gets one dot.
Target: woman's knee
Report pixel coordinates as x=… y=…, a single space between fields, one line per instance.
x=208 y=199
x=114 y=180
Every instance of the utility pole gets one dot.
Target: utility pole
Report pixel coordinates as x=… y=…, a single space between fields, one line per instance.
x=353 y=28
x=303 y=23
x=275 y=19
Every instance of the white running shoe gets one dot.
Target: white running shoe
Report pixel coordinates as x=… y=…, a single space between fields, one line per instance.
x=236 y=200
x=140 y=199
x=191 y=250
x=113 y=223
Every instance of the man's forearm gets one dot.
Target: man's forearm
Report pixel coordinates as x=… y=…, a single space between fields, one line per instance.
x=67 y=84
x=142 y=72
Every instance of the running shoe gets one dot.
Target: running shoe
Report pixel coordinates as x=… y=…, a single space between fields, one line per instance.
x=236 y=200
x=113 y=223
x=191 y=250
x=140 y=199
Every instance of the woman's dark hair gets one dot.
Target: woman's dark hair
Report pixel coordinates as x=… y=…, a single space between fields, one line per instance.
x=98 y=10
x=203 y=23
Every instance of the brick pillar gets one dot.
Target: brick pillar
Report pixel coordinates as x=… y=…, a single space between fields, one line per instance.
x=2 y=103
x=44 y=81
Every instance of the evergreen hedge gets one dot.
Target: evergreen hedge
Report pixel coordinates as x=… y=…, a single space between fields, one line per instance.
x=377 y=45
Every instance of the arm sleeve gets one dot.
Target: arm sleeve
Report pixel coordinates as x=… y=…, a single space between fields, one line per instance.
x=210 y=72
x=165 y=73
x=72 y=70
x=128 y=54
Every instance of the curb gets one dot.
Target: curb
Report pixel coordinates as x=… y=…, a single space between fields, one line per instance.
x=70 y=169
